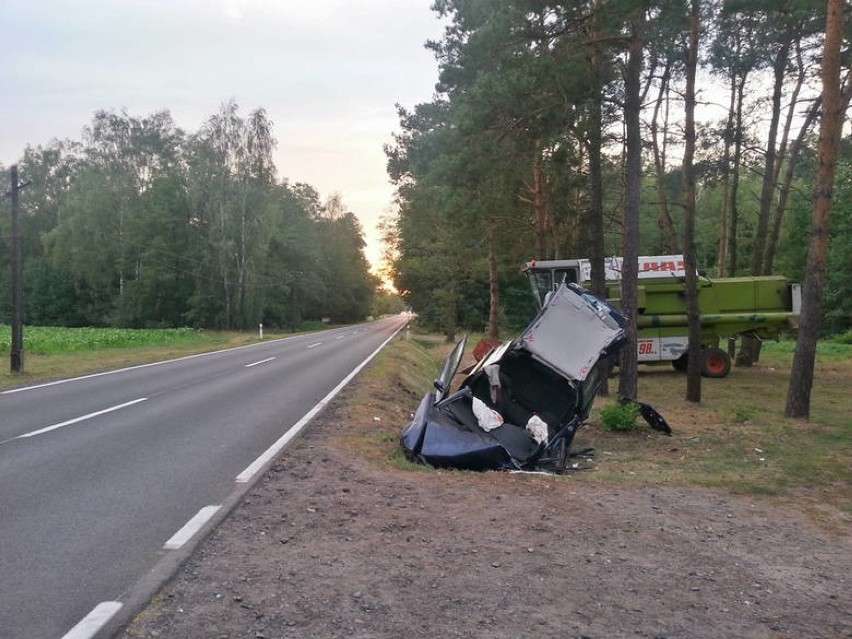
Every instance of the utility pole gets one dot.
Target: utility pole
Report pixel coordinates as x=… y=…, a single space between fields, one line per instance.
x=17 y=352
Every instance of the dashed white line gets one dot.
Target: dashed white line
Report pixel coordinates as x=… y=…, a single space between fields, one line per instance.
x=340 y=337
x=94 y=621
x=139 y=366
x=81 y=418
x=191 y=527
x=315 y=345
x=263 y=361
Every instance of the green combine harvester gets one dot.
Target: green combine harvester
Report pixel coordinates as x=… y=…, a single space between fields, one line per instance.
x=761 y=307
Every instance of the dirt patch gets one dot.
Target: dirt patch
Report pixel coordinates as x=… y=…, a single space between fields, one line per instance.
x=330 y=545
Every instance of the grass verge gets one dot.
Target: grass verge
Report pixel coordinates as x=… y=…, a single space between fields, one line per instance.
x=736 y=439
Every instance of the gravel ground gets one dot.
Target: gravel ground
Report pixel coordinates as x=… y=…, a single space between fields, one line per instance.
x=328 y=544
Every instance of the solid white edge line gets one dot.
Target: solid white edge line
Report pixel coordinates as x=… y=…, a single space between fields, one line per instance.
x=294 y=430
x=191 y=527
x=263 y=361
x=94 y=621
x=111 y=409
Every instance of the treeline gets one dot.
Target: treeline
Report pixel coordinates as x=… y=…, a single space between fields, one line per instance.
x=548 y=115
x=141 y=224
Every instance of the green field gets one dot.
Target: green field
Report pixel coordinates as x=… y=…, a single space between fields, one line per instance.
x=52 y=340
x=54 y=352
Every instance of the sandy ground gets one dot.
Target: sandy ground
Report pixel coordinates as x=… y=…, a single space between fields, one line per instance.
x=329 y=545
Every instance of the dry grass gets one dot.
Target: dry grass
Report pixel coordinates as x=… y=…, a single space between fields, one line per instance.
x=735 y=440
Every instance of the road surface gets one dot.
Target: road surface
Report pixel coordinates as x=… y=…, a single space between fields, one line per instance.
x=100 y=476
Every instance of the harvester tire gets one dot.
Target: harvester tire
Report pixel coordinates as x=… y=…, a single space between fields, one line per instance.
x=715 y=363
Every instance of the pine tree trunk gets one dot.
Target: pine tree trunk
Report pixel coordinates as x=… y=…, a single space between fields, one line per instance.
x=540 y=207
x=627 y=383
x=793 y=160
x=768 y=190
x=733 y=263
x=596 y=221
x=595 y=211
x=493 y=287
x=693 y=378
x=726 y=183
x=749 y=353
x=668 y=234
x=802 y=372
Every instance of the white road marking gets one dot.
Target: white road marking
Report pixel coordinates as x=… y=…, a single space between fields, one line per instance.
x=80 y=419
x=263 y=361
x=138 y=366
x=94 y=621
x=191 y=527
x=340 y=337
x=315 y=345
x=296 y=428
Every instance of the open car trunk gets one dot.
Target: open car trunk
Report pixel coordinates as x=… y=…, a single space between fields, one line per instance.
x=522 y=403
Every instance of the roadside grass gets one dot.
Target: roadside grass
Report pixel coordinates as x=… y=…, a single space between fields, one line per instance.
x=52 y=352
x=736 y=439
x=387 y=393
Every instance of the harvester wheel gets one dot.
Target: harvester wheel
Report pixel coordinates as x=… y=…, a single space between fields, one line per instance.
x=715 y=362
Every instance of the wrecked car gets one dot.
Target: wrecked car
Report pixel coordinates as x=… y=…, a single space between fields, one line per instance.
x=522 y=403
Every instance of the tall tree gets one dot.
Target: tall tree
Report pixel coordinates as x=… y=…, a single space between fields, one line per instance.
x=668 y=235
x=231 y=176
x=342 y=263
x=628 y=373
x=693 y=379
x=787 y=184
x=834 y=103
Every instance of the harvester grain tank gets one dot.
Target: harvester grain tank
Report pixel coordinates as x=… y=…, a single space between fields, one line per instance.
x=762 y=307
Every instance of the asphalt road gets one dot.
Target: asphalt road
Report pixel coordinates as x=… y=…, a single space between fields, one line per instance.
x=98 y=474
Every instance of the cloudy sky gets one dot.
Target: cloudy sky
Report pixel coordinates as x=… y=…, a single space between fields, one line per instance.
x=328 y=72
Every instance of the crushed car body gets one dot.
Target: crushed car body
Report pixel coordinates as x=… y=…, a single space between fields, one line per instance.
x=522 y=403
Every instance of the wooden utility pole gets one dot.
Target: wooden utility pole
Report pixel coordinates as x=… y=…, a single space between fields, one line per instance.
x=17 y=352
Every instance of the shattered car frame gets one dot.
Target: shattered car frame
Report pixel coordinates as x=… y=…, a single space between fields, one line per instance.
x=522 y=403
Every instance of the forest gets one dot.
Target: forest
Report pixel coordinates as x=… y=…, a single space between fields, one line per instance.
x=143 y=225
x=557 y=126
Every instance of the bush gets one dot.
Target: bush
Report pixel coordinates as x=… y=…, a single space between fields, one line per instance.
x=621 y=417
x=843 y=338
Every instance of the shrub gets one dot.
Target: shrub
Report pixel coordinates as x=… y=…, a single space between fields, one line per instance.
x=621 y=417
x=844 y=338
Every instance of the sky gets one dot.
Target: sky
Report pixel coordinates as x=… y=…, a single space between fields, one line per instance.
x=328 y=73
